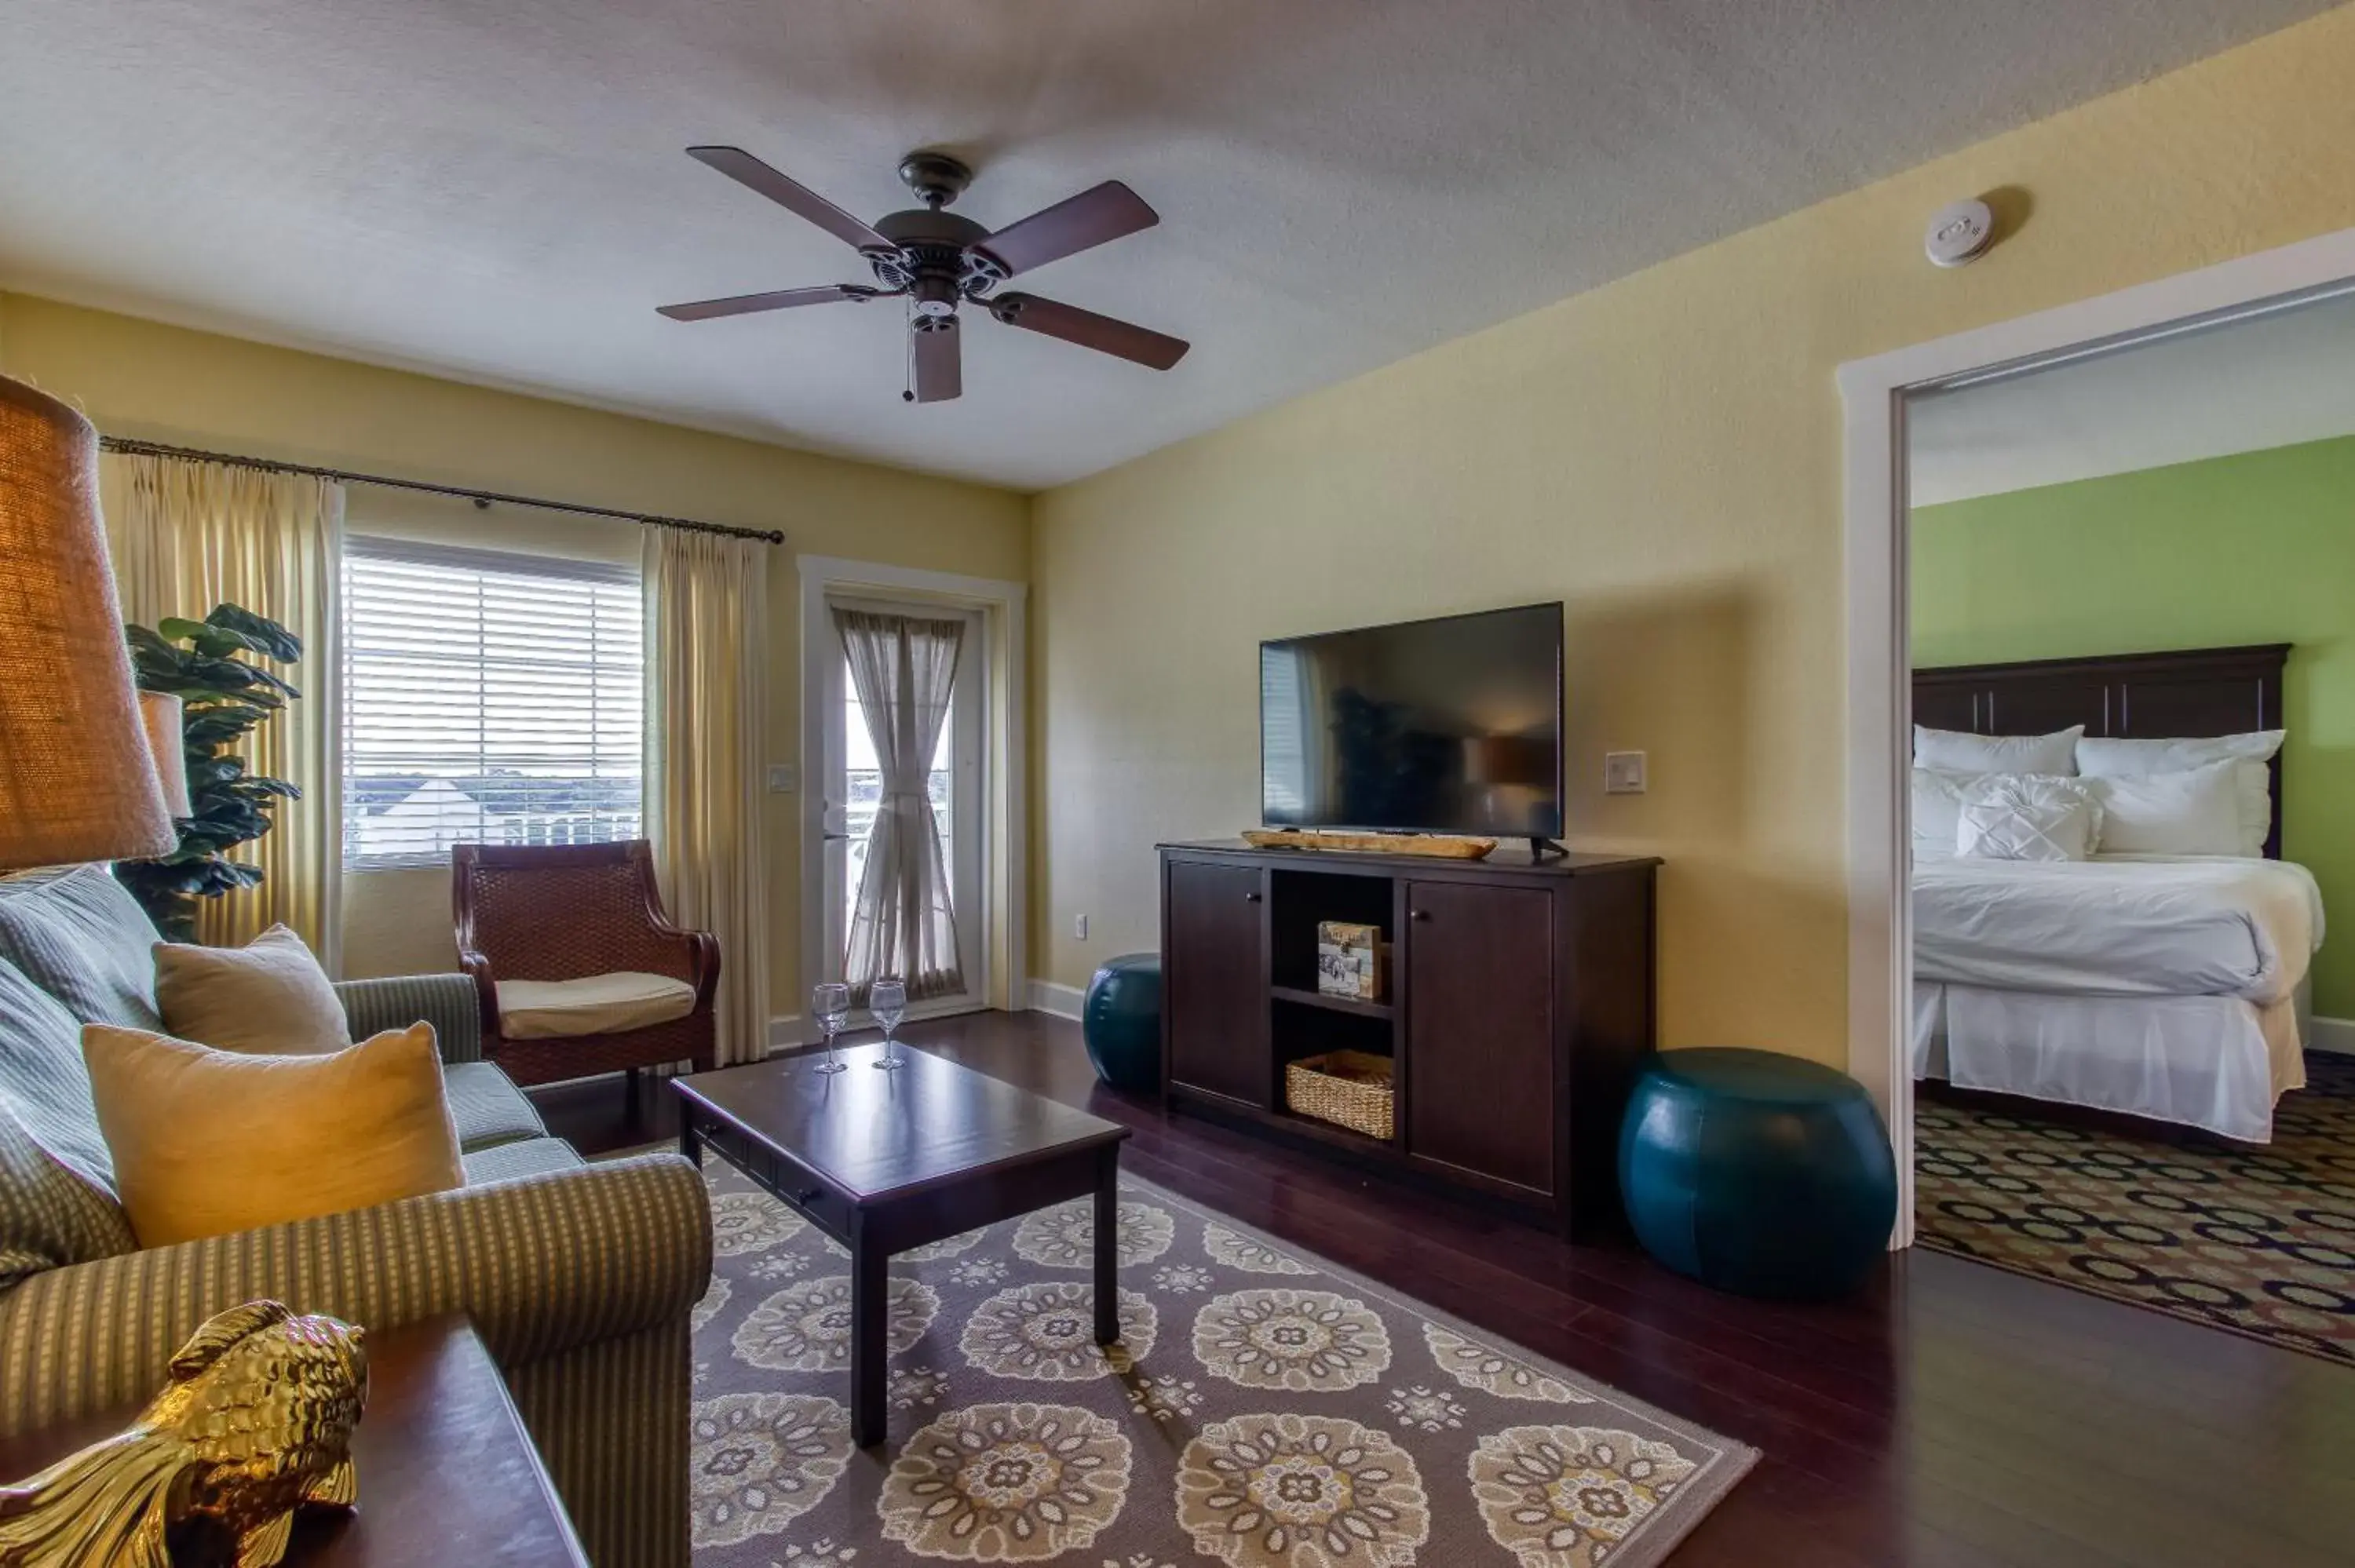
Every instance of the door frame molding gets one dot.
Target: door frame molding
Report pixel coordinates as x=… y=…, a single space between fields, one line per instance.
x=1873 y=392
x=1006 y=866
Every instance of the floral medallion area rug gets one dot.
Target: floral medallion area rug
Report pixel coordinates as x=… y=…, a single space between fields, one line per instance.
x=1263 y=1409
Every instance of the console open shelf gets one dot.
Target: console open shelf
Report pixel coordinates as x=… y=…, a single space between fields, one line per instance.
x=1517 y=1009
x=1348 y=1004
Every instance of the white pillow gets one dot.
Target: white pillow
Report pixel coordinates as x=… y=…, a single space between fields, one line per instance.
x=1953 y=752
x=1938 y=806
x=2193 y=811
x=2141 y=758
x=2014 y=816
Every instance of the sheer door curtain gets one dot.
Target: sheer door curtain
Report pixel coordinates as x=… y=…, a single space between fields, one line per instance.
x=707 y=659
x=903 y=669
x=188 y=535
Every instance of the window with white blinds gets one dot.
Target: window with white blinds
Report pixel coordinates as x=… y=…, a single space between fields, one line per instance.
x=488 y=698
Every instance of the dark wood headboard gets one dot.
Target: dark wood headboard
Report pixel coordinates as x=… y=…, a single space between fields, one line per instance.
x=2136 y=697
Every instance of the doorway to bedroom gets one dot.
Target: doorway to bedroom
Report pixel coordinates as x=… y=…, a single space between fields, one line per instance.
x=2132 y=798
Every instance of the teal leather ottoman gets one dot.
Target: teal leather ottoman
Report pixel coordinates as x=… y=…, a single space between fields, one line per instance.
x=1121 y=1021
x=1757 y=1173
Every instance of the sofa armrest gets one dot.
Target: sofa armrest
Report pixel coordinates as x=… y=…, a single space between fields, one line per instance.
x=445 y=1002
x=543 y=1265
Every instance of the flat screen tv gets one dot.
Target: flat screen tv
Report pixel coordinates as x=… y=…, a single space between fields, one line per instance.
x=1450 y=725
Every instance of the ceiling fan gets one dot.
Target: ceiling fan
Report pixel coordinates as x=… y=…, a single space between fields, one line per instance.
x=937 y=260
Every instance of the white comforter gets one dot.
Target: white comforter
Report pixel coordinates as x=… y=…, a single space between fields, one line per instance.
x=2117 y=925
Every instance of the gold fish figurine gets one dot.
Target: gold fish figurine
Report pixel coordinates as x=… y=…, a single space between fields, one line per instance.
x=256 y=1422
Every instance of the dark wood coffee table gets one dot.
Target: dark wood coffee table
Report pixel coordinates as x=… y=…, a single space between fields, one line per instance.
x=885 y=1161
x=447 y=1472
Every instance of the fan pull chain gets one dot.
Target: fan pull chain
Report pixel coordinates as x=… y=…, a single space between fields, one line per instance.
x=907 y=352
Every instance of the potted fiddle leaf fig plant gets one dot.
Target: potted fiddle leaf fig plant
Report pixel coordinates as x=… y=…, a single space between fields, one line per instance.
x=210 y=665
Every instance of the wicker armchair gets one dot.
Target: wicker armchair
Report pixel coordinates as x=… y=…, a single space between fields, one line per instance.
x=569 y=912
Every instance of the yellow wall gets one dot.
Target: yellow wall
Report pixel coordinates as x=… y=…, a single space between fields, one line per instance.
x=1662 y=453
x=138 y=379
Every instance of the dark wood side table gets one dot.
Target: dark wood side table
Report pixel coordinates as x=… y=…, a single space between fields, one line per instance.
x=447 y=1472
x=883 y=1162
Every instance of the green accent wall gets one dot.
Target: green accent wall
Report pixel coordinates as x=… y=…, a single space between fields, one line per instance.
x=2259 y=547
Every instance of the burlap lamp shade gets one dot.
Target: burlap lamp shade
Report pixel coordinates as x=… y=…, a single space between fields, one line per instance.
x=167 y=744
x=77 y=777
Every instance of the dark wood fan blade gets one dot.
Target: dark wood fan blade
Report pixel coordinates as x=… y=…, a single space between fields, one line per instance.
x=1104 y=333
x=792 y=195
x=939 y=363
x=1088 y=219
x=745 y=304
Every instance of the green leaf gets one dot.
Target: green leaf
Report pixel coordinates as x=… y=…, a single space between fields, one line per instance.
x=179 y=629
x=282 y=644
x=220 y=641
x=214 y=770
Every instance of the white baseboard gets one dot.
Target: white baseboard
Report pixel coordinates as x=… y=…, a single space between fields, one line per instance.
x=1062 y=1000
x=2332 y=1035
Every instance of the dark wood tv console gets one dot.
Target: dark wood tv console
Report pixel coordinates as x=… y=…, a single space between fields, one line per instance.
x=1518 y=1007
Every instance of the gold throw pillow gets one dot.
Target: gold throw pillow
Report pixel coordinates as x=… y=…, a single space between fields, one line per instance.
x=269 y=997
x=205 y=1142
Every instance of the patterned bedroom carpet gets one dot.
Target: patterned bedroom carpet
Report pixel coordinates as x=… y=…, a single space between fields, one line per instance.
x=1264 y=1410
x=2257 y=1239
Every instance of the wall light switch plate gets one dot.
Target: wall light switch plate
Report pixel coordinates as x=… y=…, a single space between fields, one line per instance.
x=1080 y=927
x=1622 y=773
x=781 y=779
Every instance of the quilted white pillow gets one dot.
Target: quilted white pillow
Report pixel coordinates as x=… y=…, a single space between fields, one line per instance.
x=1953 y=751
x=2254 y=780
x=2024 y=817
x=1937 y=808
x=2194 y=812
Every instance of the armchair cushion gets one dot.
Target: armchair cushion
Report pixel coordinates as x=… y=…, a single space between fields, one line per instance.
x=595 y=1004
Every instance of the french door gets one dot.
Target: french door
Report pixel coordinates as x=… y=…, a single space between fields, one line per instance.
x=851 y=785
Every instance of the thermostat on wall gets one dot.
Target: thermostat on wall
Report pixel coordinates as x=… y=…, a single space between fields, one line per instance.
x=1959 y=233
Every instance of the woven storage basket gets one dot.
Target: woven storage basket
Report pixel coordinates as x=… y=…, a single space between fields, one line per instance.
x=1348 y=1088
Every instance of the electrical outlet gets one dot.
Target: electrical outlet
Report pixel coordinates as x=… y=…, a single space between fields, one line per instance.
x=781 y=777
x=1622 y=773
x=1078 y=927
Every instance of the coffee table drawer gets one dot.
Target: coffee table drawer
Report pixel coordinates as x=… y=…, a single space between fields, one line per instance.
x=786 y=1177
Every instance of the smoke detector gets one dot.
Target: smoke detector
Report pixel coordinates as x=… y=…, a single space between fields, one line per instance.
x=1959 y=233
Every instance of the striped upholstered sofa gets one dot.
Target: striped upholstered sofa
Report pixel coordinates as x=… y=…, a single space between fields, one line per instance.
x=579 y=1277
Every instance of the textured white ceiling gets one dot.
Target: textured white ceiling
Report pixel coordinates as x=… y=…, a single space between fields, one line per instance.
x=496 y=192
x=2272 y=381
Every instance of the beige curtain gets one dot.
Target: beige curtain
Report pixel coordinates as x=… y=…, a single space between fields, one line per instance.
x=707 y=663
x=904 y=922
x=188 y=535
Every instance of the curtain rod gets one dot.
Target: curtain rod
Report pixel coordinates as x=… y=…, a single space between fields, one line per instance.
x=128 y=448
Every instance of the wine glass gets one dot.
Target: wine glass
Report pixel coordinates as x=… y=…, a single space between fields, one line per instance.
x=830 y=1003
x=887 y=999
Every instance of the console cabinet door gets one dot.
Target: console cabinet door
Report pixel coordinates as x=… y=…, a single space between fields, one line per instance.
x=1215 y=979
x=1480 y=1032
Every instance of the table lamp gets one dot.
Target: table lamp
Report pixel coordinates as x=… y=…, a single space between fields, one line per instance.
x=168 y=746
x=78 y=777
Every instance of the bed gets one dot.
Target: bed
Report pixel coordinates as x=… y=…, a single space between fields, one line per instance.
x=2170 y=986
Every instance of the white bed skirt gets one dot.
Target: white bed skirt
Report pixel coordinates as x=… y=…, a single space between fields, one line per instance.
x=2212 y=1062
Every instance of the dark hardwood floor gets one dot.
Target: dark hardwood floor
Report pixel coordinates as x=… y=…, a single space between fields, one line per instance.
x=1952 y=1414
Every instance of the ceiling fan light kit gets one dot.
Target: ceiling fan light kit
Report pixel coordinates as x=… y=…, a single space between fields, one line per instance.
x=937 y=260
